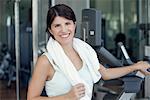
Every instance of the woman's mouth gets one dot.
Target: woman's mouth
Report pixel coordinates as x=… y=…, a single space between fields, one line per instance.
x=65 y=35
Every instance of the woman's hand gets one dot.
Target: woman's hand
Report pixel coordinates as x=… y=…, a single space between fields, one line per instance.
x=77 y=92
x=142 y=66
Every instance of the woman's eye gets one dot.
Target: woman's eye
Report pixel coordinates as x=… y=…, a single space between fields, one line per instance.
x=68 y=23
x=57 y=25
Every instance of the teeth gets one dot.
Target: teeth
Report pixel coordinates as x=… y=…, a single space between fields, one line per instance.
x=65 y=35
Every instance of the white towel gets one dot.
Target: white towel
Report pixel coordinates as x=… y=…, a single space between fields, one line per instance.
x=63 y=63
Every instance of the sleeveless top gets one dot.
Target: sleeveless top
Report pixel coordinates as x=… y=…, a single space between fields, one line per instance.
x=59 y=84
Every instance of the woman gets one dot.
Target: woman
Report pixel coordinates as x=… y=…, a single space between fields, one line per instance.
x=70 y=66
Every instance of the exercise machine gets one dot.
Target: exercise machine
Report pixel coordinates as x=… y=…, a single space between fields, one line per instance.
x=123 y=88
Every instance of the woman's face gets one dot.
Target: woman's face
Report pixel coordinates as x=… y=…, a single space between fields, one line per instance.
x=63 y=30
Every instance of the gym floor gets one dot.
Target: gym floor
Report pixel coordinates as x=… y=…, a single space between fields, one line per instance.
x=9 y=93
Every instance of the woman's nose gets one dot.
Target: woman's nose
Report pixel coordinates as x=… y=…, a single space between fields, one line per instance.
x=64 y=29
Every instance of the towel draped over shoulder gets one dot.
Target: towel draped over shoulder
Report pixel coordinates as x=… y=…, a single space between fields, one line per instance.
x=87 y=54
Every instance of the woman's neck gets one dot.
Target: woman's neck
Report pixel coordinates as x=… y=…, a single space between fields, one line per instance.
x=68 y=48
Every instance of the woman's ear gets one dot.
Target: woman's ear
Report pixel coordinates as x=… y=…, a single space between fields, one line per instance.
x=75 y=23
x=50 y=31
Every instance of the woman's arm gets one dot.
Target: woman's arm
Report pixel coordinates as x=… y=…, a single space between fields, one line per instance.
x=112 y=73
x=44 y=71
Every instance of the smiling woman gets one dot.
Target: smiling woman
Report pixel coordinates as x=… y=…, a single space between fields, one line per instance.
x=70 y=67
x=62 y=29
x=59 y=11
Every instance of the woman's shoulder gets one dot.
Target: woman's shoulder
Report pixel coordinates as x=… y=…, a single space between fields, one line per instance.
x=42 y=68
x=43 y=62
x=43 y=65
x=47 y=56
